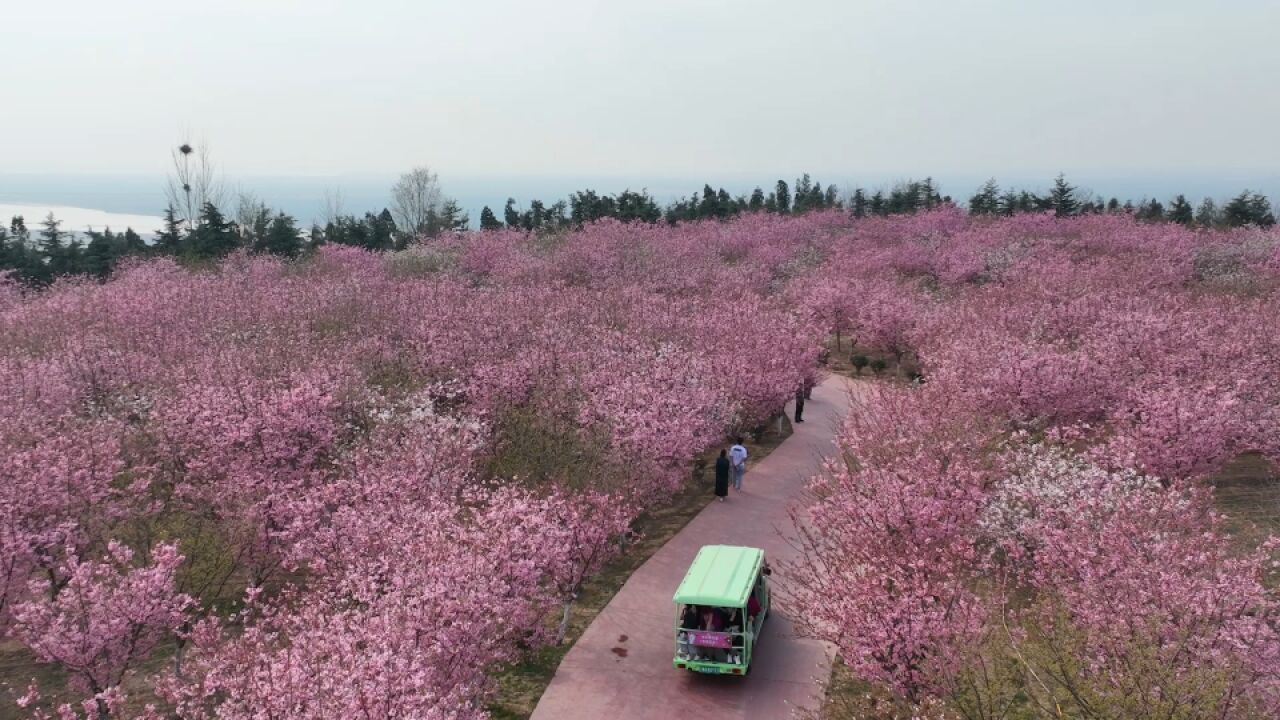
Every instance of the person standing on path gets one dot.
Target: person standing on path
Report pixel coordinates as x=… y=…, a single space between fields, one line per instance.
x=738 y=461
x=722 y=476
x=800 y=404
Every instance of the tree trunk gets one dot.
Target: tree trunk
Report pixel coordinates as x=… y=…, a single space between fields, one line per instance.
x=564 y=619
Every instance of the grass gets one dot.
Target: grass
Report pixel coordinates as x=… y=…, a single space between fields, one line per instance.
x=520 y=685
x=1247 y=492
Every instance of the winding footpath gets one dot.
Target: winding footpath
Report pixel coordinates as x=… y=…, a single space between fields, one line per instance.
x=621 y=666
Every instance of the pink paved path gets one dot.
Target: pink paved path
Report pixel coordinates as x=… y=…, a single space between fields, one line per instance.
x=607 y=676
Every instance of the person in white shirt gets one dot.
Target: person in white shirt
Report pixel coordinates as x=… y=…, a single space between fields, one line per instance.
x=737 y=463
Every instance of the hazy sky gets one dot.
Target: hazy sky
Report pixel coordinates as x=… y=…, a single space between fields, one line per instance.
x=655 y=87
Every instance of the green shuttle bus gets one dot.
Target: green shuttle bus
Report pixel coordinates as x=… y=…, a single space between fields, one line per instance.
x=721 y=606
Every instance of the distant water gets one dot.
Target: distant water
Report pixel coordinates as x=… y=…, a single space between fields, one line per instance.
x=77 y=219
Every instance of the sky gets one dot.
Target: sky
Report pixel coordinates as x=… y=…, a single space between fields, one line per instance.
x=640 y=91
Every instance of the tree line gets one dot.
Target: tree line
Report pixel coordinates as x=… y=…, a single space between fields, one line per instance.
x=196 y=230
x=1064 y=200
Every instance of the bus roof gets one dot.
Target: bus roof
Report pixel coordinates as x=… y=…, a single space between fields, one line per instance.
x=721 y=575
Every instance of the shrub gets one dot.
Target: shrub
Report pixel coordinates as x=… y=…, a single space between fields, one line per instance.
x=877 y=365
x=859 y=362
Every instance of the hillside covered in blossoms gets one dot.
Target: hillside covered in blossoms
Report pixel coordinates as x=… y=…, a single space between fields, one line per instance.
x=354 y=483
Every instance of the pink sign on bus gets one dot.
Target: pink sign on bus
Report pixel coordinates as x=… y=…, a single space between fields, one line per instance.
x=711 y=639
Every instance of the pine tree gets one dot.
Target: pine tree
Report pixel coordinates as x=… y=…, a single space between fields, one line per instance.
x=858 y=204
x=1062 y=198
x=757 y=200
x=928 y=195
x=489 y=221
x=100 y=255
x=51 y=244
x=633 y=206
x=214 y=237
x=18 y=231
x=280 y=236
x=877 y=204
x=382 y=228
x=453 y=218
x=169 y=240
x=986 y=201
x=1180 y=211
x=831 y=199
x=1208 y=215
x=1009 y=204
x=709 y=206
x=725 y=205
x=804 y=187
x=1150 y=211
x=1248 y=208
x=783 y=197
x=510 y=214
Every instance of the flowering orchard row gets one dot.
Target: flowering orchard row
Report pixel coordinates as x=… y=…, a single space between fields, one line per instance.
x=1029 y=530
x=348 y=486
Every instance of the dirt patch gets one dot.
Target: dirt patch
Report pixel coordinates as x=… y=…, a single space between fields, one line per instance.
x=842 y=356
x=1247 y=492
x=619 y=651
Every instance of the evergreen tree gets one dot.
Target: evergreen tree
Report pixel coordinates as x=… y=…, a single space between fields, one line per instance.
x=725 y=205
x=803 y=195
x=169 y=240
x=757 y=200
x=280 y=236
x=51 y=244
x=783 y=197
x=1009 y=203
x=1150 y=211
x=453 y=218
x=877 y=204
x=511 y=215
x=904 y=198
x=928 y=195
x=533 y=218
x=1180 y=211
x=489 y=221
x=1248 y=208
x=131 y=243
x=382 y=229
x=709 y=206
x=556 y=215
x=858 y=203
x=1062 y=198
x=831 y=199
x=214 y=237
x=637 y=206
x=986 y=201
x=1113 y=205
x=100 y=255
x=18 y=231
x=1208 y=215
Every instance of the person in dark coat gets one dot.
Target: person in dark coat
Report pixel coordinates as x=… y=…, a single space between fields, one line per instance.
x=722 y=476
x=800 y=404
